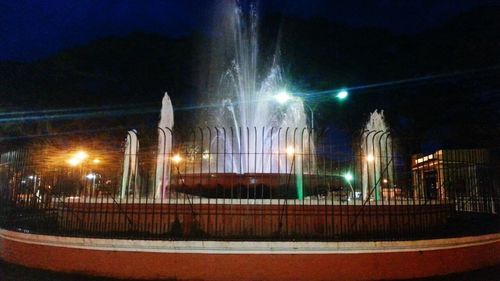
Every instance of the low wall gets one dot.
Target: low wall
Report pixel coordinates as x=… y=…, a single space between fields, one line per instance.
x=221 y=261
x=255 y=220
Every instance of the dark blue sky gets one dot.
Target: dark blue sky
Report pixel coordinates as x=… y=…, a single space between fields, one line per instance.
x=39 y=28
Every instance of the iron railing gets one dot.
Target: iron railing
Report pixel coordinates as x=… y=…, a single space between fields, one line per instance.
x=248 y=184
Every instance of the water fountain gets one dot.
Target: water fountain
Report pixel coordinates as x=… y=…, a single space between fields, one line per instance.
x=261 y=135
x=264 y=129
x=130 y=178
x=163 y=162
x=377 y=166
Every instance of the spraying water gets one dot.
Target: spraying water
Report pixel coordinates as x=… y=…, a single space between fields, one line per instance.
x=163 y=162
x=130 y=179
x=377 y=158
x=261 y=128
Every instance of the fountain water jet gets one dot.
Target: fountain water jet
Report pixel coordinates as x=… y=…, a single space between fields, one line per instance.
x=263 y=129
x=377 y=164
x=163 y=162
x=130 y=179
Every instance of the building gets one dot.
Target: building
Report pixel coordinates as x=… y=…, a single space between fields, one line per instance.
x=448 y=174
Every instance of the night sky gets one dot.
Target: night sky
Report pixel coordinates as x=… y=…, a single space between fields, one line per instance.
x=31 y=30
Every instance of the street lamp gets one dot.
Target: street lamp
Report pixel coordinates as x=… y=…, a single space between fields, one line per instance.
x=78 y=158
x=342 y=94
x=370 y=158
x=177 y=159
x=283 y=96
x=348 y=177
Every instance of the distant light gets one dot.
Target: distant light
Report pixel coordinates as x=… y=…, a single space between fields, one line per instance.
x=342 y=94
x=91 y=176
x=31 y=177
x=385 y=181
x=81 y=155
x=78 y=158
x=370 y=158
x=74 y=161
x=205 y=155
x=290 y=150
x=96 y=161
x=282 y=97
x=176 y=158
x=348 y=176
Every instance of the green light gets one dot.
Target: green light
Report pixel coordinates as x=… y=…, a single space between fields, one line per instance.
x=348 y=176
x=342 y=94
x=300 y=186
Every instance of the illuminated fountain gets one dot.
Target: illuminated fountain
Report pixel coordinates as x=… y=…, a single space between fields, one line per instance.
x=377 y=166
x=130 y=174
x=130 y=177
x=265 y=121
x=165 y=126
x=257 y=129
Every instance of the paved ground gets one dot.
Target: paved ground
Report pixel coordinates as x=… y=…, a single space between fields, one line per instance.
x=16 y=273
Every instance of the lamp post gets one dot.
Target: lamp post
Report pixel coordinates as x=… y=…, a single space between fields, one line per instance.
x=283 y=97
x=177 y=159
x=342 y=94
x=348 y=177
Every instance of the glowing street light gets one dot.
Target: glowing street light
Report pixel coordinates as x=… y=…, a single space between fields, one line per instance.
x=282 y=97
x=348 y=177
x=81 y=155
x=370 y=158
x=290 y=151
x=74 y=161
x=205 y=155
x=92 y=176
x=342 y=94
x=78 y=158
x=177 y=159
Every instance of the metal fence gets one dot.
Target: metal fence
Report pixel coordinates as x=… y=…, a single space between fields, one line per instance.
x=246 y=184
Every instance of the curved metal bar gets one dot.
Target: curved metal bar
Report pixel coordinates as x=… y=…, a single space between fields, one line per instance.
x=382 y=171
x=163 y=159
x=376 y=182
x=209 y=142
x=232 y=155
x=271 y=153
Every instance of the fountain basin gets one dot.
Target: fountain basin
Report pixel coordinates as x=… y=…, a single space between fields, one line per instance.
x=257 y=186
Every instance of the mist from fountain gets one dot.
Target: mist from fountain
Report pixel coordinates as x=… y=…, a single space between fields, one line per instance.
x=262 y=129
